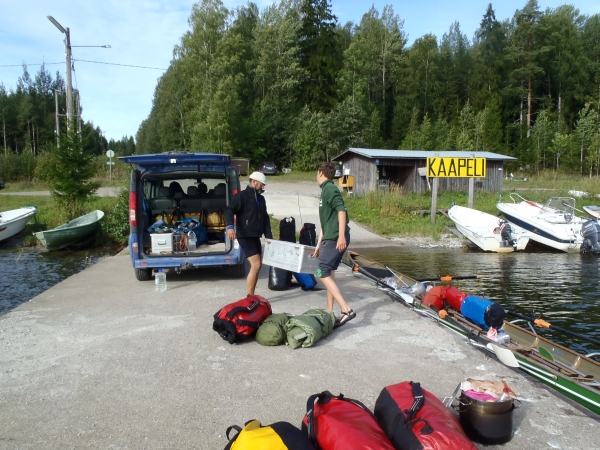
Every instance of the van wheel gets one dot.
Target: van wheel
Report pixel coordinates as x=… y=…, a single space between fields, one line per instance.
x=143 y=274
x=238 y=271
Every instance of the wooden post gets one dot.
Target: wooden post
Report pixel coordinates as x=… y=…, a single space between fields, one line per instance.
x=434 y=190
x=471 y=189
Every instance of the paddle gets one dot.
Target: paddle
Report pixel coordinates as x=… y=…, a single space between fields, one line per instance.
x=543 y=324
x=450 y=278
x=505 y=356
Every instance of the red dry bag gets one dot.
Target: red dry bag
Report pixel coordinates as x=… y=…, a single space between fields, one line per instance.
x=414 y=419
x=241 y=319
x=339 y=423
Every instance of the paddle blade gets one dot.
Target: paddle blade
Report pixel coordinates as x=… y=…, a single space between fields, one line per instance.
x=505 y=356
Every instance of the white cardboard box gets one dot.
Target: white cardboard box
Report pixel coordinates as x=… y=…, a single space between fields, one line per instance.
x=287 y=255
x=162 y=242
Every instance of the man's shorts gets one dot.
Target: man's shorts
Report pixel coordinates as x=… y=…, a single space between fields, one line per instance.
x=251 y=246
x=330 y=257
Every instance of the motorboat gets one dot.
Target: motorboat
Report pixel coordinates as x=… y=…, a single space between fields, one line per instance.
x=74 y=232
x=13 y=221
x=553 y=224
x=592 y=211
x=488 y=232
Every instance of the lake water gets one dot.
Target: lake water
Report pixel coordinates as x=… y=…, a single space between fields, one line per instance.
x=28 y=271
x=564 y=287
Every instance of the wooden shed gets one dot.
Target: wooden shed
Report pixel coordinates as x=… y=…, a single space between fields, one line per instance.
x=377 y=169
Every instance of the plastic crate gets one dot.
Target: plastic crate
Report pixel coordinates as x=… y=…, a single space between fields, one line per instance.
x=290 y=256
x=162 y=242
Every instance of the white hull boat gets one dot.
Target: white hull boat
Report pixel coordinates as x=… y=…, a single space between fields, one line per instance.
x=592 y=211
x=553 y=224
x=13 y=221
x=488 y=232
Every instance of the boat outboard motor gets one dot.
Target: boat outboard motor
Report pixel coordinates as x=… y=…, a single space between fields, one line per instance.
x=506 y=235
x=590 y=231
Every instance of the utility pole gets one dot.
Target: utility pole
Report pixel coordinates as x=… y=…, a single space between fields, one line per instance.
x=67 y=41
x=57 y=122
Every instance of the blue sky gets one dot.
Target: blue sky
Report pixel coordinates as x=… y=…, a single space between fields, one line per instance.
x=144 y=32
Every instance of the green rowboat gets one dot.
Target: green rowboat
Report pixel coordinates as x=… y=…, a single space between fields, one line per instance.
x=70 y=233
x=572 y=374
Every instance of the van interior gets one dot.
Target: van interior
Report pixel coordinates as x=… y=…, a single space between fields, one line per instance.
x=172 y=197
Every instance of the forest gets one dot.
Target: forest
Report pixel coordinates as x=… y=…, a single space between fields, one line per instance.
x=28 y=124
x=290 y=84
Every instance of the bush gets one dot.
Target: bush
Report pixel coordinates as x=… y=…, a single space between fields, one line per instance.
x=116 y=222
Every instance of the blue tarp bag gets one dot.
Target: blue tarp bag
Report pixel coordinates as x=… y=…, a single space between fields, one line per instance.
x=483 y=312
x=307 y=281
x=193 y=224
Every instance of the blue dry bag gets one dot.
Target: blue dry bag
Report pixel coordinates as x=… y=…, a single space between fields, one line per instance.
x=307 y=281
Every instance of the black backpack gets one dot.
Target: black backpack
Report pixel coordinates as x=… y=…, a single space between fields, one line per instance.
x=287 y=229
x=308 y=235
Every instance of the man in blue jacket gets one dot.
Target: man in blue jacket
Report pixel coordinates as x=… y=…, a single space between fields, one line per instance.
x=251 y=222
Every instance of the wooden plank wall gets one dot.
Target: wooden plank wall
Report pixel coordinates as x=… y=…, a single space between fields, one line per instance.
x=365 y=175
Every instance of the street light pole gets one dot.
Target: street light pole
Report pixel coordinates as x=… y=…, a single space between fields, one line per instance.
x=67 y=34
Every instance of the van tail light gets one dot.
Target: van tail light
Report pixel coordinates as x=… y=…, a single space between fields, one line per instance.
x=132 y=216
x=235 y=191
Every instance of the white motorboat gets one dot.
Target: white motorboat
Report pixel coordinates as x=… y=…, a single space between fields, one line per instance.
x=488 y=232
x=553 y=224
x=13 y=221
x=592 y=211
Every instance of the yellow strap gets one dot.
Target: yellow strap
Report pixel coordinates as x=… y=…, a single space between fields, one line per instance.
x=541 y=323
x=446 y=278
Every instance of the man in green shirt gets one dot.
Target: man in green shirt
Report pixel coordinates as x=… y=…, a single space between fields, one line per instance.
x=333 y=239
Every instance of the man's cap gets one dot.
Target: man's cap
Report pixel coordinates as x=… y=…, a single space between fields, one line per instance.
x=260 y=177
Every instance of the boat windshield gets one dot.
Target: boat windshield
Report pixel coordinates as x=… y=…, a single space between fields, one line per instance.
x=559 y=205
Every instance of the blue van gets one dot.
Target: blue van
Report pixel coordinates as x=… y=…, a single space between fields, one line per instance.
x=171 y=188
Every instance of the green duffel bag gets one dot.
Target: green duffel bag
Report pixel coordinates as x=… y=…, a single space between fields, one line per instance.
x=326 y=319
x=307 y=329
x=271 y=331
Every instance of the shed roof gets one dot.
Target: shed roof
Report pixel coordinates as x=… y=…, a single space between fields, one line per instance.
x=422 y=154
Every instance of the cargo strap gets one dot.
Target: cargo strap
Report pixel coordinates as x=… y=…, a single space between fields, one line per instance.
x=408 y=415
x=417 y=404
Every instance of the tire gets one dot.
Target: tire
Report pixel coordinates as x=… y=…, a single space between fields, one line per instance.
x=238 y=271
x=143 y=274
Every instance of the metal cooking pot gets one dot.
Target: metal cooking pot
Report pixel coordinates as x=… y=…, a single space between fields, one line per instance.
x=486 y=428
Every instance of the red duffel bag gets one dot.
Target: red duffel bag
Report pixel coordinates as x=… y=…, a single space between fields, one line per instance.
x=338 y=423
x=241 y=319
x=415 y=419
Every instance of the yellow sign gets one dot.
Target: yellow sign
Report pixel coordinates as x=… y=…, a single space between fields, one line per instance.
x=456 y=167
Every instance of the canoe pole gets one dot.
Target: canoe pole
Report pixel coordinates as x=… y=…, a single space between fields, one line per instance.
x=450 y=278
x=543 y=324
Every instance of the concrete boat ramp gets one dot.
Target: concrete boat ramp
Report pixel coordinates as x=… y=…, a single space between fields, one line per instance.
x=103 y=361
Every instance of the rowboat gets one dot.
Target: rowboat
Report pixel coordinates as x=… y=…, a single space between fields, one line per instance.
x=488 y=232
x=572 y=374
x=13 y=221
x=553 y=224
x=71 y=233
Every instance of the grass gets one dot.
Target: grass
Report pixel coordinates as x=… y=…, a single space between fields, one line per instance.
x=389 y=213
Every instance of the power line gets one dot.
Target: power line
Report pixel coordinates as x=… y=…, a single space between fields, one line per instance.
x=39 y=64
x=115 y=64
